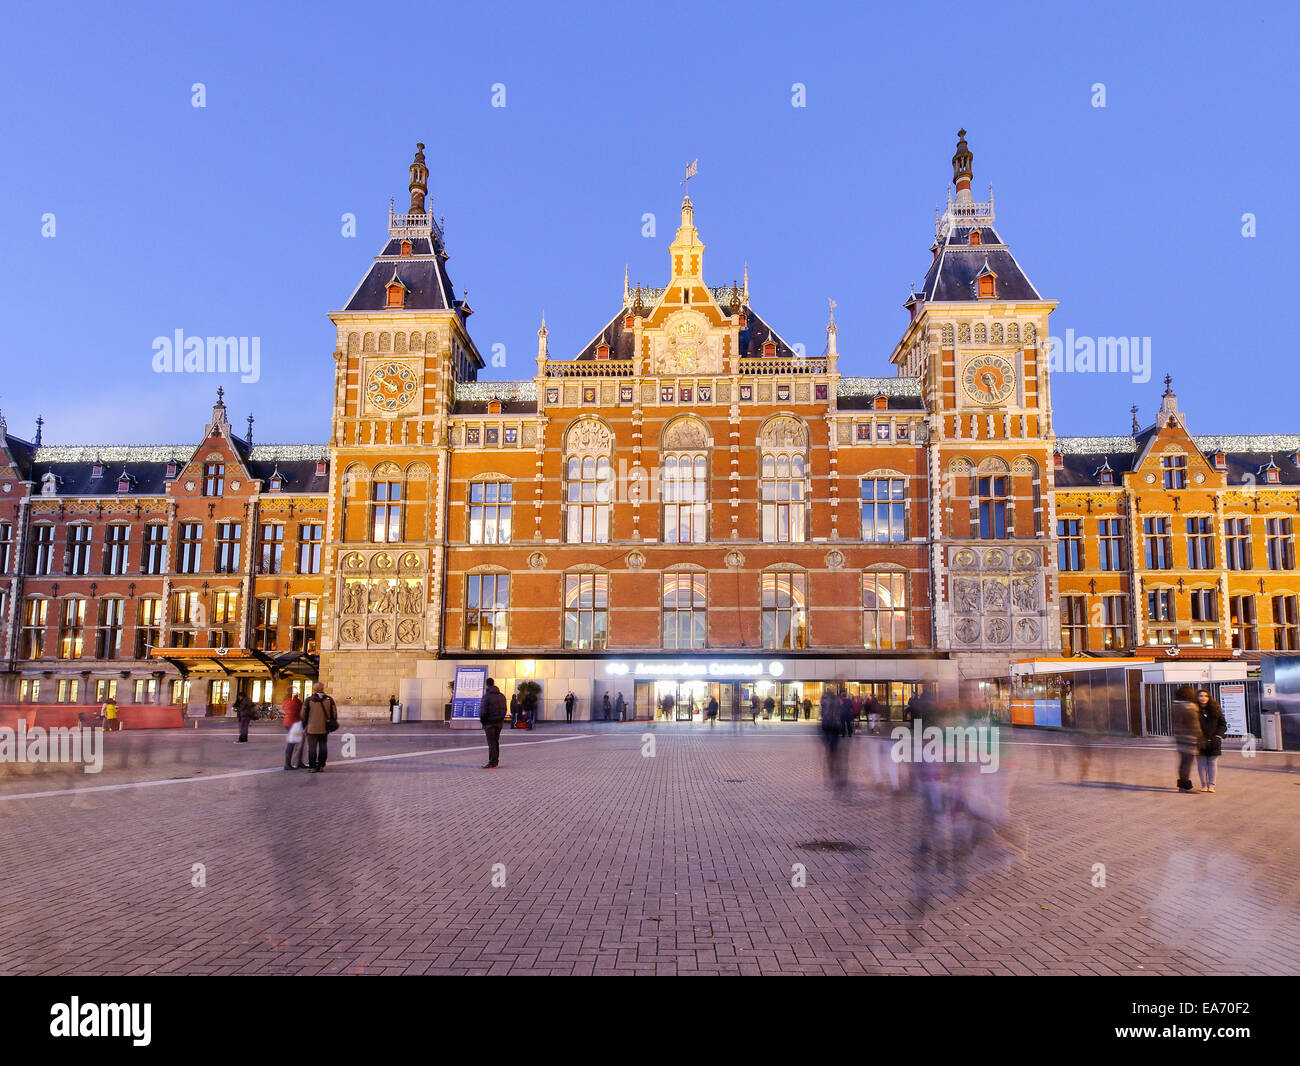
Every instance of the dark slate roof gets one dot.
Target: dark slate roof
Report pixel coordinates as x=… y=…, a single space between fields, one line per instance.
x=75 y=479
x=423 y=272
x=299 y=475
x=752 y=338
x=1079 y=471
x=508 y=407
x=1079 y=468
x=868 y=403
x=950 y=275
x=21 y=451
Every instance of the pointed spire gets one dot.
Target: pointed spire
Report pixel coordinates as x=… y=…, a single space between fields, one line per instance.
x=1136 y=428
x=746 y=281
x=40 y=424
x=831 y=330
x=419 y=186
x=625 y=289
x=1169 y=385
x=542 y=334
x=961 y=169
x=249 y=438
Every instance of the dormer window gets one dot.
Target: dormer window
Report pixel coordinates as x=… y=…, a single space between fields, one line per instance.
x=1107 y=477
x=744 y=320
x=602 y=351
x=1220 y=461
x=1058 y=460
x=406 y=248
x=171 y=468
x=494 y=407
x=1271 y=475
x=277 y=480
x=124 y=482
x=974 y=236
x=882 y=403
x=985 y=285
x=396 y=292
x=769 y=349
x=320 y=468
x=97 y=470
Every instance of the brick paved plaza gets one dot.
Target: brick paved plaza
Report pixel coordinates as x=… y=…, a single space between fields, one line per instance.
x=618 y=863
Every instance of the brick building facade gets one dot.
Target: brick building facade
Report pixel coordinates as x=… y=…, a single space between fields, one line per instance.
x=687 y=507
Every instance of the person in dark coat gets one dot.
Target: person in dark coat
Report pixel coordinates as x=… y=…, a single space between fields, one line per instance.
x=245 y=713
x=769 y=705
x=516 y=707
x=1213 y=728
x=317 y=714
x=807 y=708
x=568 y=706
x=846 y=714
x=711 y=709
x=620 y=708
x=492 y=713
x=753 y=707
x=606 y=706
x=833 y=737
x=1187 y=733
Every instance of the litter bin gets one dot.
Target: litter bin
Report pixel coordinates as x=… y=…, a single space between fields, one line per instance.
x=397 y=712
x=1270 y=729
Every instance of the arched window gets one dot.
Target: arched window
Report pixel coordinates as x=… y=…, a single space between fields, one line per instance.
x=586 y=610
x=589 y=479
x=686 y=495
x=487 y=611
x=72 y=625
x=785 y=609
x=108 y=640
x=783 y=480
x=884 y=609
x=685 y=611
x=35 y=616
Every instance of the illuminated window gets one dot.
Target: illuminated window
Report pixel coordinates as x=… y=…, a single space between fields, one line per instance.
x=685 y=492
x=1161 y=617
x=302 y=633
x=266 y=622
x=72 y=624
x=148 y=626
x=586 y=610
x=490 y=512
x=884 y=605
x=1114 y=621
x=784 y=606
x=35 y=617
x=685 y=611
x=1241 y=618
x=782 y=489
x=487 y=611
x=1074 y=625
x=883 y=510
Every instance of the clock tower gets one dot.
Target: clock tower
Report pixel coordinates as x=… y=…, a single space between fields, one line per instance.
x=977 y=339
x=402 y=345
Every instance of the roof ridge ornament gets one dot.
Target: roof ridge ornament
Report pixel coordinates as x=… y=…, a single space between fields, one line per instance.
x=963 y=210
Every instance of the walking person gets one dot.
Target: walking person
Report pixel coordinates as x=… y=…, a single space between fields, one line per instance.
x=1187 y=733
x=606 y=706
x=568 y=706
x=711 y=710
x=492 y=713
x=620 y=708
x=847 y=714
x=244 y=712
x=832 y=736
x=1213 y=728
x=320 y=719
x=753 y=707
x=296 y=732
x=807 y=709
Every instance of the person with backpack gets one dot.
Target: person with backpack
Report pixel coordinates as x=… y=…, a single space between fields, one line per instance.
x=492 y=713
x=321 y=718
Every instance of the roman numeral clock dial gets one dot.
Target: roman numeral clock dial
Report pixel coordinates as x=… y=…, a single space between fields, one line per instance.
x=988 y=380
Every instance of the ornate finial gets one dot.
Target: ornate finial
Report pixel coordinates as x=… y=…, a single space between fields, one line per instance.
x=746 y=281
x=1136 y=428
x=40 y=424
x=543 y=332
x=833 y=304
x=1169 y=384
x=961 y=168
x=419 y=186
x=249 y=438
x=625 y=283
x=221 y=396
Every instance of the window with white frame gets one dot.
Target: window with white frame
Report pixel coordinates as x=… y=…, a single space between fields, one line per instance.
x=490 y=509
x=685 y=610
x=884 y=607
x=883 y=510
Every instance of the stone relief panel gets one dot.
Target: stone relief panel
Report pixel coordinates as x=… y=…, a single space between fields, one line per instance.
x=996 y=597
x=381 y=595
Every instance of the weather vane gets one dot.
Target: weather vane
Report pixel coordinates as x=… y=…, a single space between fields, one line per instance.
x=691 y=170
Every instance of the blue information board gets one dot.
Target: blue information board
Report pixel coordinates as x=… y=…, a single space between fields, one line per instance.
x=467 y=695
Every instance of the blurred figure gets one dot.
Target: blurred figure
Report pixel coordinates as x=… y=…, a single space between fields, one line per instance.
x=517 y=708
x=847 y=713
x=620 y=708
x=807 y=709
x=1187 y=733
x=1213 y=727
x=111 y=721
x=711 y=709
x=833 y=738
x=606 y=706
x=244 y=712
x=296 y=732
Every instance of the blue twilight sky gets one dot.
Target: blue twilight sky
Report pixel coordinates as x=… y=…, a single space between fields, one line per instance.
x=226 y=219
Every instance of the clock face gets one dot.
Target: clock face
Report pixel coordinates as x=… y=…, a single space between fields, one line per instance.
x=390 y=386
x=989 y=379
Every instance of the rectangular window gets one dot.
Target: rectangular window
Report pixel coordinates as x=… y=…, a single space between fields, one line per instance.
x=487 y=611
x=146 y=690
x=1114 y=621
x=1159 y=543
x=1281 y=546
x=72 y=625
x=782 y=494
x=586 y=610
x=1286 y=633
x=1200 y=543
x=588 y=503
x=1204 y=607
x=685 y=490
x=115 y=549
x=214 y=479
x=309 y=545
x=229 y=536
x=68 y=692
x=386 y=512
x=1110 y=544
x=105 y=690
x=1174 y=469
x=79 y=550
x=1241 y=616
x=1236 y=533
x=1074 y=625
x=266 y=621
x=1162 y=625
x=302 y=634
x=991 y=493
x=489 y=512
x=884 y=606
x=685 y=611
x=1069 y=544
x=108 y=640
x=29 y=690
x=6 y=546
x=42 y=550
x=153 y=558
x=180 y=693
x=883 y=510
x=187 y=616
x=272 y=549
x=148 y=626
x=191 y=548
x=35 y=618
x=784 y=605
